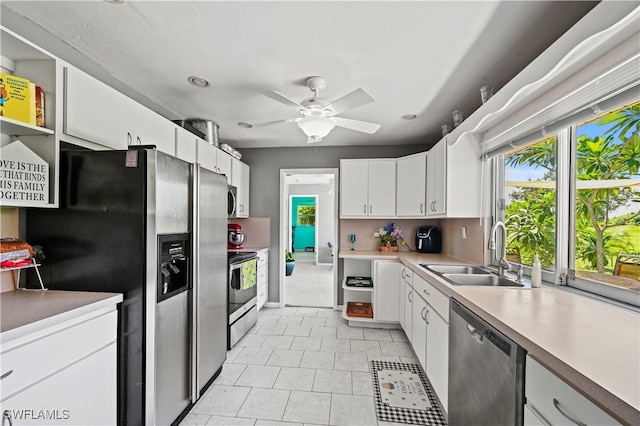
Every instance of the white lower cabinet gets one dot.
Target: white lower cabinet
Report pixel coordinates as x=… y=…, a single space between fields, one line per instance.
x=263 y=277
x=551 y=401
x=385 y=306
x=408 y=311
x=419 y=329
x=64 y=374
x=437 y=367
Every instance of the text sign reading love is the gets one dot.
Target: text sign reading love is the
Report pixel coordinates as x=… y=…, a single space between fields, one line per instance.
x=24 y=176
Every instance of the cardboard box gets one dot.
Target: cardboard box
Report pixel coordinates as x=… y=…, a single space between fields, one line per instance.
x=17 y=98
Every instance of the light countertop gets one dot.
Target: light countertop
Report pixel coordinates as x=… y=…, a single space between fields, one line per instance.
x=592 y=345
x=26 y=311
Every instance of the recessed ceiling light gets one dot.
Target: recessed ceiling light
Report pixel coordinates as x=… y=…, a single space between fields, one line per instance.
x=114 y=1
x=245 y=125
x=198 y=81
x=408 y=116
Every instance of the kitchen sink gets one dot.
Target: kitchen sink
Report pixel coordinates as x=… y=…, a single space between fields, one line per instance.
x=489 y=280
x=456 y=269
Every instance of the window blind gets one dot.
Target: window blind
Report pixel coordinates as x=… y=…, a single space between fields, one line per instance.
x=618 y=86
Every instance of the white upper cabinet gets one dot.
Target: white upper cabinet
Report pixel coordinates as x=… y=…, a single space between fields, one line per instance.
x=185 y=145
x=213 y=158
x=411 y=186
x=368 y=188
x=240 y=175
x=224 y=163
x=96 y=113
x=437 y=179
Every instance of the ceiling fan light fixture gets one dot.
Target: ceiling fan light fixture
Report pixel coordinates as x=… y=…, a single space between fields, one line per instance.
x=316 y=126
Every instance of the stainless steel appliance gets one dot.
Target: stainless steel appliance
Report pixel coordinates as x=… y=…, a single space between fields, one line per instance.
x=428 y=239
x=126 y=224
x=232 y=201
x=486 y=372
x=210 y=332
x=243 y=294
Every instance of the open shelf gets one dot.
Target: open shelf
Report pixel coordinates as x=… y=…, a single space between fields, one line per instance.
x=360 y=319
x=18 y=128
x=346 y=287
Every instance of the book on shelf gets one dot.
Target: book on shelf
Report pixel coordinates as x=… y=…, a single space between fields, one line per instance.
x=18 y=98
x=39 y=105
x=359 y=282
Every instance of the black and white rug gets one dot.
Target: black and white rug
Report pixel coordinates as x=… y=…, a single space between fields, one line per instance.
x=402 y=394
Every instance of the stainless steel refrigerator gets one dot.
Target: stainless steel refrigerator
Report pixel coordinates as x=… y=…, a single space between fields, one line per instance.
x=127 y=223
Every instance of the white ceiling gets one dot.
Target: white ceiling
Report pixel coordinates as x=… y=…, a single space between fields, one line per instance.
x=420 y=57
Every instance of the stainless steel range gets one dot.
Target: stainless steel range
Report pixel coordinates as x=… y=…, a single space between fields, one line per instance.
x=243 y=292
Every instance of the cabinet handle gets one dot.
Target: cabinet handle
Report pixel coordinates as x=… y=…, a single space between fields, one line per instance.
x=570 y=418
x=129 y=139
x=365 y=209
x=410 y=296
x=422 y=314
x=139 y=140
x=370 y=208
x=426 y=317
x=5 y=375
x=426 y=292
x=421 y=204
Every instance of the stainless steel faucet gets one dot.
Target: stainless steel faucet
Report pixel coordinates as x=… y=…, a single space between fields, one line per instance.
x=503 y=265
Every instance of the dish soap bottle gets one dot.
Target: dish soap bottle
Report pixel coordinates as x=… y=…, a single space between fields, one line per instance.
x=536 y=273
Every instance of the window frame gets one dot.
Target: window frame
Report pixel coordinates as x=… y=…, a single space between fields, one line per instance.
x=565 y=247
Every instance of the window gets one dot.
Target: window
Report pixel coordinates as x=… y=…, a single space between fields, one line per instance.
x=573 y=199
x=306 y=215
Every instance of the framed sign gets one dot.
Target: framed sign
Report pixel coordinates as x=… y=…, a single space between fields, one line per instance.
x=24 y=176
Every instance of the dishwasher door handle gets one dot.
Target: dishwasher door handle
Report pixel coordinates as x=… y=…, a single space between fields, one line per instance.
x=475 y=333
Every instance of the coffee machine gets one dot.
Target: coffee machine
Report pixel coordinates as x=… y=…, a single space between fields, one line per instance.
x=236 y=237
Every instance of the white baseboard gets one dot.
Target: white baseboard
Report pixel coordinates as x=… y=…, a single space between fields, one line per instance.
x=272 y=304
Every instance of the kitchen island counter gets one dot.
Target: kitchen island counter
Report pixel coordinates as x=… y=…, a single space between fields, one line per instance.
x=592 y=345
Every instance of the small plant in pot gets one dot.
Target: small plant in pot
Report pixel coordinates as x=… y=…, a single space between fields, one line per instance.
x=290 y=262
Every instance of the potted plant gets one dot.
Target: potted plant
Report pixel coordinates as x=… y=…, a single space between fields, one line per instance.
x=290 y=262
x=389 y=237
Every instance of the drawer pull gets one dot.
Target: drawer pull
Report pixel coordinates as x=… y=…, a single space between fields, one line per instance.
x=570 y=418
x=426 y=292
x=5 y=375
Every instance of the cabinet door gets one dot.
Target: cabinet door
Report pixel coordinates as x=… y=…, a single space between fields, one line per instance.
x=401 y=284
x=185 y=145
x=419 y=329
x=437 y=368
x=411 y=186
x=152 y=129
x=354 y=188
x=436 y=179
x=385 y=287
x=83 y=393
x=382 y=188
x=95 y=112
x=408 y=310
x=224 y=164
x=243 y=190
x=206 y=154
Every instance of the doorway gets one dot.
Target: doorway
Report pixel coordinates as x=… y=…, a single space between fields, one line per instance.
x=308 y=229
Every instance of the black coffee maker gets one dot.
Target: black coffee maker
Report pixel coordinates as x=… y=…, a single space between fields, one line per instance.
x=428 y=239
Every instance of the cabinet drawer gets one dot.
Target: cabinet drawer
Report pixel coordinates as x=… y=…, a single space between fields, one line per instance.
x=263 y=258
x=407 y=275
x=262 y=295
x=556 y=402
x=36 y=359
x=435 y=298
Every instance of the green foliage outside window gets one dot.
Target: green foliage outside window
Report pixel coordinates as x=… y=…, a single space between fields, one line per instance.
x=306 y=215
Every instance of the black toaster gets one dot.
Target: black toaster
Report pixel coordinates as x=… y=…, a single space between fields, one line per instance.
x=428 y=239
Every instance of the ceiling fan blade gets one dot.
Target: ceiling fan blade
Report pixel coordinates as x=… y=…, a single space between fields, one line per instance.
x=271 y=123
x=357 y=125
x=283 y=99
x=350 y=101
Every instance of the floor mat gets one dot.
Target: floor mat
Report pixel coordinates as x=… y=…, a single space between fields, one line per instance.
x=402 y=394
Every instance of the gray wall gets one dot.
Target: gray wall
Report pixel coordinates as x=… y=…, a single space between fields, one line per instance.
x=265 y=182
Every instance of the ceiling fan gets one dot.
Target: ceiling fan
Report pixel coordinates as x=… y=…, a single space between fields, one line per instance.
x=319 y=115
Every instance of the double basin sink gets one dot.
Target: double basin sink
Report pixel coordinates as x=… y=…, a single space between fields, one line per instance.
x=472 y=275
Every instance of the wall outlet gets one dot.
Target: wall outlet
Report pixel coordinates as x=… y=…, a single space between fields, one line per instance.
x=464 y=232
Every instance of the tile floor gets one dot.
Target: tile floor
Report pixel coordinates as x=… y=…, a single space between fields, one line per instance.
x=300 y=366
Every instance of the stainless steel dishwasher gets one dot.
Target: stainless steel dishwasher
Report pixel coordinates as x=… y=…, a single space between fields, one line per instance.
x=486 y=372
